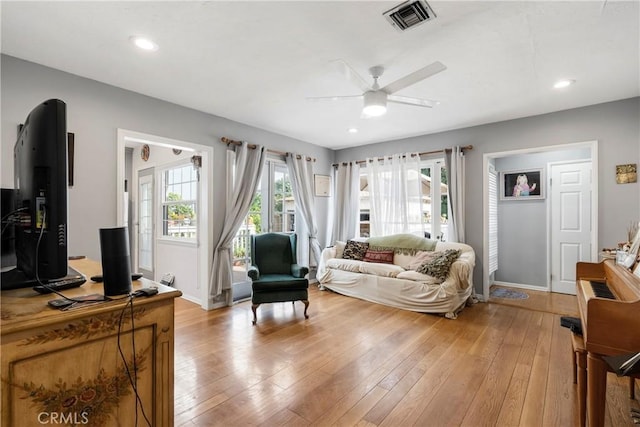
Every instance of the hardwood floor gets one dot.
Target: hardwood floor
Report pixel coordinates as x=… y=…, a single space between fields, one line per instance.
x=359 y=363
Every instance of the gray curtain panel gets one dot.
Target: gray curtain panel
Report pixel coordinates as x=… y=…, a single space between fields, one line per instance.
x=346 y=195
x=248 y=166
x=455 y=164
x=301 y=175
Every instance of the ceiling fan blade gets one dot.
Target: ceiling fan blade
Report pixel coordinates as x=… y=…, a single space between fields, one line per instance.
x=333 y=98
x=352 y=75
x=428 y=103
x=415 y=77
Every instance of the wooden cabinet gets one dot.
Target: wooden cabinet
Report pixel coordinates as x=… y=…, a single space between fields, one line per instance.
x=79 y=367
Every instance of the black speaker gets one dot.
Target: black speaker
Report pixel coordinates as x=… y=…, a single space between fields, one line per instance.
x=116 y=270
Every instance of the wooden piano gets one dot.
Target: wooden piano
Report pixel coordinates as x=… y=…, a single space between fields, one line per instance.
x=609 y=304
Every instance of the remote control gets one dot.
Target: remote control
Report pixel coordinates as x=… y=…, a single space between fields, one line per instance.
x=98 y=278
x=60 y=285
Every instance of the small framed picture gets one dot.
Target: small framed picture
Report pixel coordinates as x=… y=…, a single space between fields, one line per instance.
x=524 y=184
x=627 y=174
x=322 y=185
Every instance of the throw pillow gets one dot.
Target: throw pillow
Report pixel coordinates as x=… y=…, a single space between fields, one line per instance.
x=439 y=266
x=355 y=250
x=384 y=257
x=420 y=258
x=340 y=248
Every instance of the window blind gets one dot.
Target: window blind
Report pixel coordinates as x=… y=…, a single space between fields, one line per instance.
x=493 y=220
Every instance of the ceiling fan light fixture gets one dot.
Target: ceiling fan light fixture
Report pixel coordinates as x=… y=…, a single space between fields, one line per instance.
x=375 y=103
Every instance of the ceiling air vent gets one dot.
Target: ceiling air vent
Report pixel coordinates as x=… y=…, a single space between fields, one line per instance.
x=409 y=14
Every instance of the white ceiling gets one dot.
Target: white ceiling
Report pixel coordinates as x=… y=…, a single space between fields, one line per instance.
x=256 y=62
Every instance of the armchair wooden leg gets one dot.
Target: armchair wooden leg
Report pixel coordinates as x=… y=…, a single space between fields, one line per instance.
x=254 y=307
x=306 y=306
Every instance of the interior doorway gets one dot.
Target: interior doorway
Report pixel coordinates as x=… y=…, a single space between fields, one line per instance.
x=186 y=259
x=588 y=151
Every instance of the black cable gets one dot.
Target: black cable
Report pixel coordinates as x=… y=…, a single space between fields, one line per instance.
x=133 y=381
x=44 y=222
x=11 y=220
x=13 y=213
x=45 y=285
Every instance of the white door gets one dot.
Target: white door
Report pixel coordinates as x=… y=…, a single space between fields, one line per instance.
x=571 y=233
x=145 y=223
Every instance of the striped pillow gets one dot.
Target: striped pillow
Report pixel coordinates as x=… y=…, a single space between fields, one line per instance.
x=384 y=257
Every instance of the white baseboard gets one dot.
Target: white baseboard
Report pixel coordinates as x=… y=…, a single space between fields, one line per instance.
x=521 y=286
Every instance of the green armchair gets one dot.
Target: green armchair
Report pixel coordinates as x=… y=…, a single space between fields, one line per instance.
x=275 y=273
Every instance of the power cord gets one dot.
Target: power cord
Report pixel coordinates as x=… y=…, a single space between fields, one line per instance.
x=10 y=218
x=133 y=380
x=37 y=272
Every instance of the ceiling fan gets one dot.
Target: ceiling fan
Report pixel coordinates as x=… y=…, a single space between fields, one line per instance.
x=376 y=98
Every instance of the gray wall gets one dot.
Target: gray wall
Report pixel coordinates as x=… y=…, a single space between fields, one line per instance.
x=94 y=113
x=522 y=224
x=616 y=125
x=96 y=110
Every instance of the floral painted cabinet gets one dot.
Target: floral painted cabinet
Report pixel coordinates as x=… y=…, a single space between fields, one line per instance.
x=102 y=365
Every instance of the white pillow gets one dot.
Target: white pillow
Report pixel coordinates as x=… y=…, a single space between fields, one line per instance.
x=340 y=248
x=420 y=258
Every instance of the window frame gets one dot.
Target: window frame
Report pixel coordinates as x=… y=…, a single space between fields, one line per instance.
x=435 y=228
x=163 y=203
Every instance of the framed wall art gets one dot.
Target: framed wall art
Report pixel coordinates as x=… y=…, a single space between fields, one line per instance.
x=322 y=185
x=627 y=174
x=526 y=184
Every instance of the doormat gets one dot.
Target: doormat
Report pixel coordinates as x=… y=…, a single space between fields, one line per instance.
x=507 y=293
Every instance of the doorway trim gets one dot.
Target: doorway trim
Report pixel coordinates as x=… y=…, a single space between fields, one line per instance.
x=487 y=157
x=128 y=138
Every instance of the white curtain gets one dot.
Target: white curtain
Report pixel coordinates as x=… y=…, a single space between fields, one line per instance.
x=345 y=201
x=242 y=182
x=394 y=185
x=301 y=175
x=454 y=161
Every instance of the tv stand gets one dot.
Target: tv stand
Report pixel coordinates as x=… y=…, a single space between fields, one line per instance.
x=73 y=356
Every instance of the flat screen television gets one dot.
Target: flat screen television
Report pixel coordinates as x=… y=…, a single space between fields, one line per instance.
x=40 y=198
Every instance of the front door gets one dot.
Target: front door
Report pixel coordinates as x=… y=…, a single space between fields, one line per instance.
x=571 y=233
x=145 y=223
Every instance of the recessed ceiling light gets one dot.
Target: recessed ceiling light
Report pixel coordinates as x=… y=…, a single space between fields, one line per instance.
x=143 y=42
x=563 y=83
x=353 y=130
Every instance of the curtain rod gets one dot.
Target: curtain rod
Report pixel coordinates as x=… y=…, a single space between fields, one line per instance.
x=424 y=153
x=229 y=141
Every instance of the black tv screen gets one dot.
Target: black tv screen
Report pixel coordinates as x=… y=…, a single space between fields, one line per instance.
x=40 y=184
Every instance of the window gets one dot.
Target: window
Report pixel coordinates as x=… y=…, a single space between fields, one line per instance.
x=180 y=202
x=272 y=210
x=434 y=187
x=493 y=219
x=435 y=199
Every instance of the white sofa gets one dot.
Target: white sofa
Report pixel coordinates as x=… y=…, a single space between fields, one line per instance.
x=395 y=286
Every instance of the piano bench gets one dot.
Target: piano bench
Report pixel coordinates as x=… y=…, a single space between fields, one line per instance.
x=579 y=358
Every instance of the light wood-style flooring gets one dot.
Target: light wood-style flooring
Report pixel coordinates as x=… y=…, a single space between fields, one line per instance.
x=358 y=363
